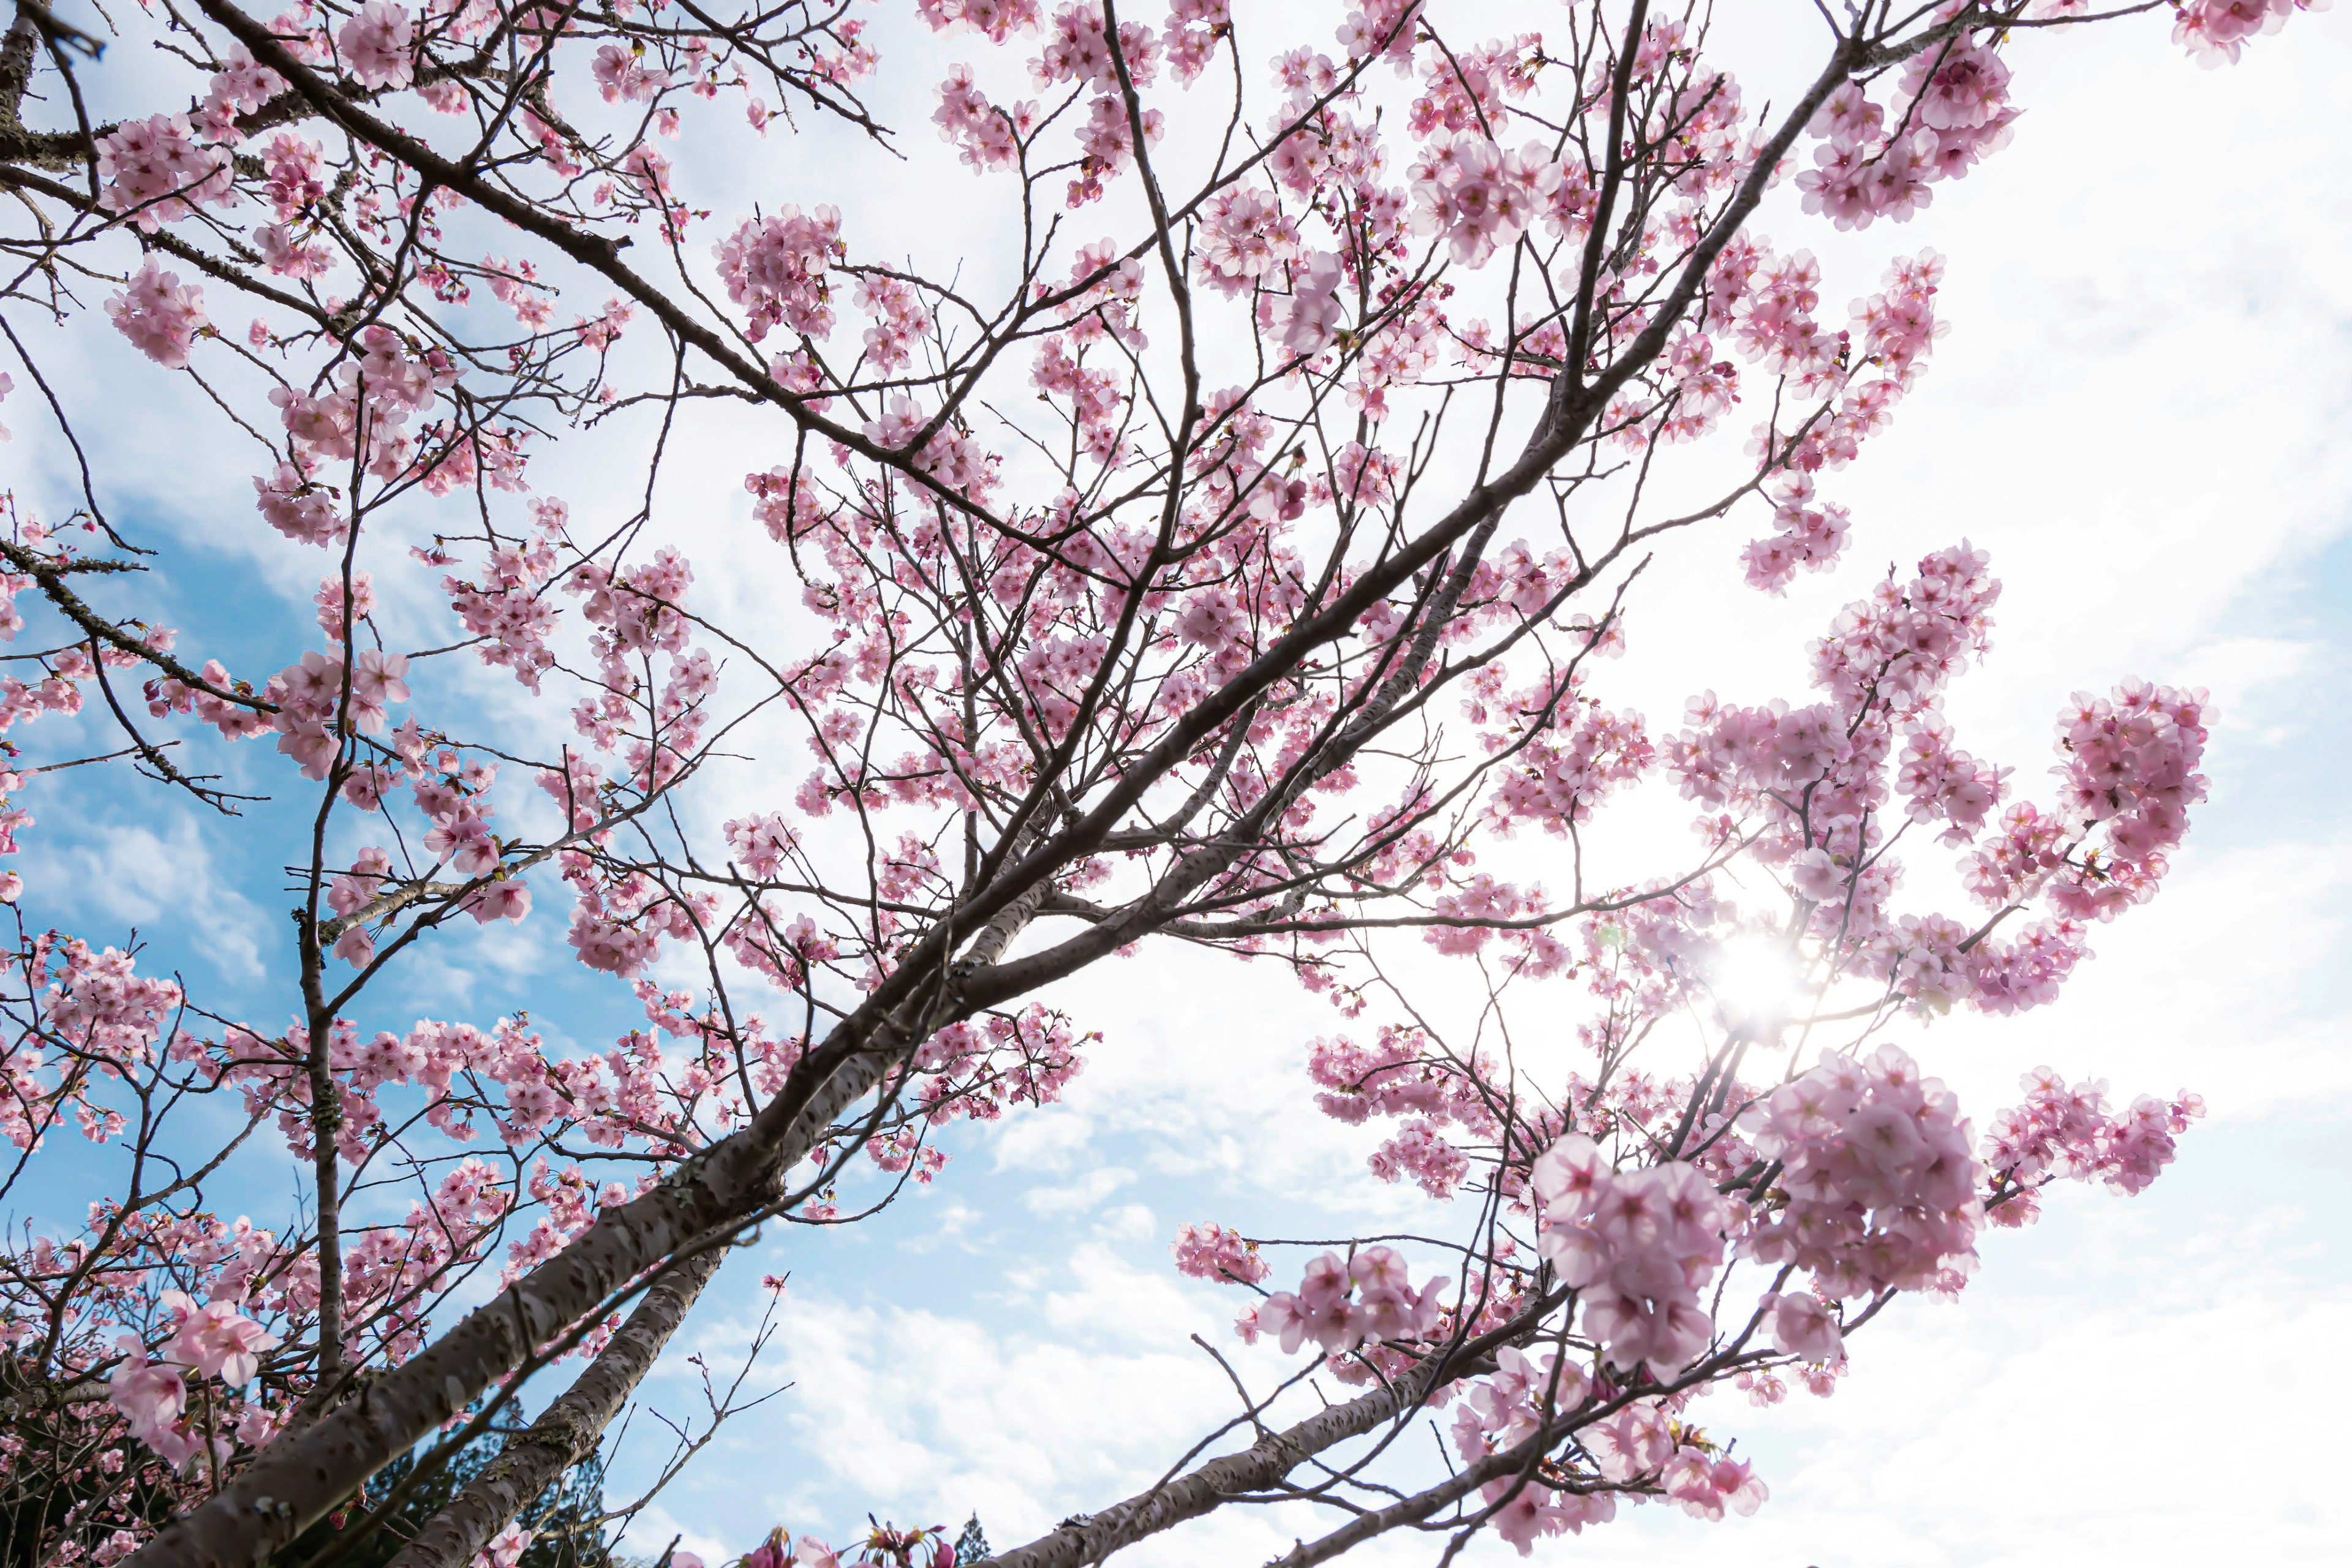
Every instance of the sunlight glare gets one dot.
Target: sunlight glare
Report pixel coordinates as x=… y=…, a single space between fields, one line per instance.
x=1755 y=981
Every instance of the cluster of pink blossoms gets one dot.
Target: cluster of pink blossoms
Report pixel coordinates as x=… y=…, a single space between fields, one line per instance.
x=1803 y=1325
x=455 y=1064
x=634 y=614
x=160 y=314
x=1767 y=305
x=212 y=1341
x=775 y=268
x=781 y=1549
x=1075 y=51
x=155 y=172
x=454 y=798
x=1881 y=1173
x=1637 y=1447
x=989 y=136
x=622 y=77
x=239 y=87
x=957 y=460
x=1707 y=1484
x=2071 y=1132
x=1191 y=34
x=1469 y=85
x=297 y=176
x=1095 y=399
x=103 y=1018
x=617 y=928
x=1819 y=782
x=1950 y=111
x=1244 y=234
x=313 y=706
x=1401 y=1076
x=899 y=321
x=1419 y=1152
x=361 y=412
x=996 y=20
x=1504 y=1410
x=1212 y=1252
x=1320 y=290
x=978 y=1069
x=2215 y=31
x=1580 y=758
x=378 y=45
x=503 y=605
x=2130 y=763
x=1638 y=1246
x=1481 y=197
x=1340 y=1305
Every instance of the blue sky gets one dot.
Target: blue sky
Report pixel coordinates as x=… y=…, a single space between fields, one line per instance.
x=2141 y=411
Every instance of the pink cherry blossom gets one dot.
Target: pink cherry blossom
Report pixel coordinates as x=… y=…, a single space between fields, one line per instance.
x=2216 y=31
x=151 y=1396
x=1802 y=1326
x=1340 y=1305
x=1214 y=1253
x=155 y=172
x=776 y=267
x=159 y=314
x=1315 y=310
x=377 y=45
x=218 y=1340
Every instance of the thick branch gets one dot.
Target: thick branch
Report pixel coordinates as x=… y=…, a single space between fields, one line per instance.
x=568 y=1431
x=1090 y=1538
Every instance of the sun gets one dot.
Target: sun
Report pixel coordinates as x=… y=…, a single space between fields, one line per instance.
x=1755 y=981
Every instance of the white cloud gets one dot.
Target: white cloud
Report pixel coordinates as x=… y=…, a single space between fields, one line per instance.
x=137 y=875
x=1075 y=1197
x=949 y=1225
x=1044 y=1142
x=1129 y=1223
x=919 y=1415
x=2137 y=1405
x=654 y=1531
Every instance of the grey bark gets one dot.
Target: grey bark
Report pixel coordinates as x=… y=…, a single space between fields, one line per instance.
x=297 y=1480
x=1090 y=1538
x=568 y=1431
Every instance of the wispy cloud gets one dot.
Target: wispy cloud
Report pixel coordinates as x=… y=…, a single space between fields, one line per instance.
x=152 y=875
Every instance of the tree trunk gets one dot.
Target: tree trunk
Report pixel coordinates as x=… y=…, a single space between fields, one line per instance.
x=297 y=1480
x=567 y=1431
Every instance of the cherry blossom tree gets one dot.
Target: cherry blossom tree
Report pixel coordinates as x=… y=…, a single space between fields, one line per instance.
x=1232 y=556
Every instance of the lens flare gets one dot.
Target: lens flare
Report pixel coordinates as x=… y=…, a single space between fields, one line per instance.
x=1755 y=981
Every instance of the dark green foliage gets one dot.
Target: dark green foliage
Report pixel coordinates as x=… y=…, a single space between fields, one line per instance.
x=564 y=1515
x=972 y=1546
x=55 y=1490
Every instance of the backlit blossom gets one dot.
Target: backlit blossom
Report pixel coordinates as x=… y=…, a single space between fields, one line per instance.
x=159 y=314
x=377 y=45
